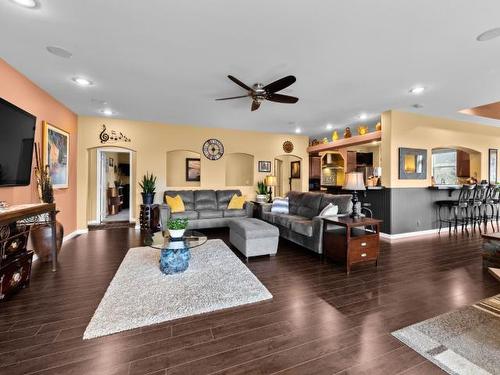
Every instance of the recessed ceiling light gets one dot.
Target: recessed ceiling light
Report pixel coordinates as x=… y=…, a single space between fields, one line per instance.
x=107 y=112
x=298 y=131
x=363 y=116
x=60 y=52
x=329 y=126
x=26 y=3
x=82 y=81
x=417 y=90
x=489 y=34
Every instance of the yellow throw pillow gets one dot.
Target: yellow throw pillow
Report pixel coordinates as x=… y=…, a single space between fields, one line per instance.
x=176 y=204
x=236 y=203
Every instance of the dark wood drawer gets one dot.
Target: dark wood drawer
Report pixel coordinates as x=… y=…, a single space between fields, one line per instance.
x=15 y=274
x=361 y=249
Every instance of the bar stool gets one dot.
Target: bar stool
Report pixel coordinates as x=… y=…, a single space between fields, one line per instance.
x=491 y=206
x=477 y=206
x=457 y=210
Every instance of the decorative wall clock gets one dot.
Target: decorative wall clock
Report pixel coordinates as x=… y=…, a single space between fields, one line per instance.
x=288 y=147
x=213 y=149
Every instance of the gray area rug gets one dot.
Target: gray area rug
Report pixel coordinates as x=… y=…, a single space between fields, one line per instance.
x=140 y=294
x=461 y=342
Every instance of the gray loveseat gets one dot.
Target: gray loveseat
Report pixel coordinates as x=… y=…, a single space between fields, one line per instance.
x=205 y=208
x=303 y=225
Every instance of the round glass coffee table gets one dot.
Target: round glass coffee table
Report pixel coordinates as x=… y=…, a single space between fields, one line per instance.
x=175 y=252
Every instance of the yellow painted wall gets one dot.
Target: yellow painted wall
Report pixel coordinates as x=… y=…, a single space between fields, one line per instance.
x=240 y=169
x=176 y=168
x=152 y=141
x=401 y=129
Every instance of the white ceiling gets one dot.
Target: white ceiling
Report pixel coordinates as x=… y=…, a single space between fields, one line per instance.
x=167 y=61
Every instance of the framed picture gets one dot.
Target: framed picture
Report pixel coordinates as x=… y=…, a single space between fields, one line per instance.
x=492 y=165
x=295 y=169
x=265 y=166
x=111 y=162
x=193 y=169
x=412 y=164
x=56 y=154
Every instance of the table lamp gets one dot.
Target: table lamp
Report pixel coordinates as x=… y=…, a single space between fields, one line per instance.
x=270 y=181
x=354 y=181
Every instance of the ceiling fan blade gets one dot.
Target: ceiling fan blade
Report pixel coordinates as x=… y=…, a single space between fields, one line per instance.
x=278 y=98
x=255 y=105
x=234 y=97
x=280 y=84
x=239 y=83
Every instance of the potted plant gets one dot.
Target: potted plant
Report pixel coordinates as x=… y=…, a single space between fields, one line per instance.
x=261 y=192
x=148 y=186
x=177 y=227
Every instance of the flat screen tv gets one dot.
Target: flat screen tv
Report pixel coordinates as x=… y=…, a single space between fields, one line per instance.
x=17 y=134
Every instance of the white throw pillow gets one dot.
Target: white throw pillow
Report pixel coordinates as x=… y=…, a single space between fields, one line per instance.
x=330 y=210
x=280 y=206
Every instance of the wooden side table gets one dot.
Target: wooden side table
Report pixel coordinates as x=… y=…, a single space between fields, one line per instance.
x=149 y=217
x=258 y=207
x=356 y=241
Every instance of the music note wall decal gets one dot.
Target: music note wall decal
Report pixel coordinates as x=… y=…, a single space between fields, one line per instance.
x=112 y=136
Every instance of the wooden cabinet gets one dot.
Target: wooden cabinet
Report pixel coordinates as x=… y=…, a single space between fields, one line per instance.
x=315 y=167
x=463 y=164
x=351 y=161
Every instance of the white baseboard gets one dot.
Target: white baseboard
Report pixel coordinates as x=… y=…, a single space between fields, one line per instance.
x=392 y=237
x=74 y=234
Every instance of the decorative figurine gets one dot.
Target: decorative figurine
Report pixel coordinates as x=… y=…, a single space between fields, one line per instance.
x=335 y=135
x=325 y=140
x=378 y=127
x=347 y=133
x=362 y=130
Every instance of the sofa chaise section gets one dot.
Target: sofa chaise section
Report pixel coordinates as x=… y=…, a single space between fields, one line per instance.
x=302 y=224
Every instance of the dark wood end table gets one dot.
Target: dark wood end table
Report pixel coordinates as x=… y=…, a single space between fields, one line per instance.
x=356 y=241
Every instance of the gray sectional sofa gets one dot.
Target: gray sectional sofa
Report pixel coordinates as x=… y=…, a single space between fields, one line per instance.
x=205 y=208
x=303 y=225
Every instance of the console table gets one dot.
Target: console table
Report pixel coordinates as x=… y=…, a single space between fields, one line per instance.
x=28 y=215
x=351 y=240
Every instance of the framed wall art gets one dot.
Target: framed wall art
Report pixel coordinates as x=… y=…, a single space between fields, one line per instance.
x=193 y=169
x=265 y=166
x=295 y=169
x=56 y=154
x=412 y=164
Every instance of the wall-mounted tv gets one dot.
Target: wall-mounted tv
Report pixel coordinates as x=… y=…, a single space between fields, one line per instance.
x=17 y=134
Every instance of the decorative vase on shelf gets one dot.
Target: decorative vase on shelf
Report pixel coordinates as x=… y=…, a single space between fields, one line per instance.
x=362 y=130
x=335 y=136
x=176 y=233
x=378 y=127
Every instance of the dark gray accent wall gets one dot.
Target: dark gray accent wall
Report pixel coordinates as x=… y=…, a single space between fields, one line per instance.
x=406 y=209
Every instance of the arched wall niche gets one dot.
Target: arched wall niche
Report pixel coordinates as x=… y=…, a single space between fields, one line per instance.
x=239 y=169
x=181 y=168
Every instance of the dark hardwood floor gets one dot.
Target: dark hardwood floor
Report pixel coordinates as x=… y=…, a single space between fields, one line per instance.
x=319 y=322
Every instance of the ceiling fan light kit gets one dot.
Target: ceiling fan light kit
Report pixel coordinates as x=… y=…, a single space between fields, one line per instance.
x=258 y=92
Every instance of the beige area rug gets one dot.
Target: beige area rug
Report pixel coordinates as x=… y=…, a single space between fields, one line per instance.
x=140 y=294
x=462 y=342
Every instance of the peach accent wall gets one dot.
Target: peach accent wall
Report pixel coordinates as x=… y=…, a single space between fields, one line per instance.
x=19 y=90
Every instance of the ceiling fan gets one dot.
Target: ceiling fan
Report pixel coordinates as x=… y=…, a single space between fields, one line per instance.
x=259 y=92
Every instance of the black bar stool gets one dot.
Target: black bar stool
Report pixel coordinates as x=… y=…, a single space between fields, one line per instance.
x=457 y=210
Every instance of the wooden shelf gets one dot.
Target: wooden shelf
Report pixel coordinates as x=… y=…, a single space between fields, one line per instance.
x=347 y=142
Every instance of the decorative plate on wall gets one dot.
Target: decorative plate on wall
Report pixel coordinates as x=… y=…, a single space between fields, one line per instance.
x=213 y=149
x=288 y=147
